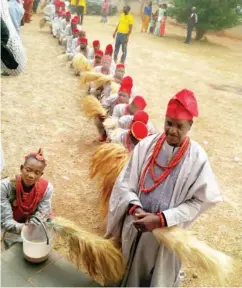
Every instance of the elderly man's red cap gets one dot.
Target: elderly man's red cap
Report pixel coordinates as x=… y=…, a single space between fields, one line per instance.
x=182 y=106
x=99 y=52
x=141 y=116
x=83 y=40
x=126 y=85
x=109 y=49
x=139 y=130
x=140 y=102
x=120 y=66
x=95 y=43
x=68 y=13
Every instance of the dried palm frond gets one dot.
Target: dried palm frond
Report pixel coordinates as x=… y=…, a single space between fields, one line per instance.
x=80 y=63
x=97 y=256
x=103 y=79
x=89 y=76
x=91 y=107
x=189 y=248
x=106 y=164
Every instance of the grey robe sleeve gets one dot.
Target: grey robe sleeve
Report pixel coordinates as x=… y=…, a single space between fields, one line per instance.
x=45 y=203
x=205 y=193
x=125 y=192
x=7 y=221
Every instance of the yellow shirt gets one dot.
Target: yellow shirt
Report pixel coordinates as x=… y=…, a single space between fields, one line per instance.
x=124 y=22
x=80 y=3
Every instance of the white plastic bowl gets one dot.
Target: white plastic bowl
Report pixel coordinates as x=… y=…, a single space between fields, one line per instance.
x=35 y=247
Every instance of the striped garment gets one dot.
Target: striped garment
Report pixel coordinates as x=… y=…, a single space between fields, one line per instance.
x=14 y=43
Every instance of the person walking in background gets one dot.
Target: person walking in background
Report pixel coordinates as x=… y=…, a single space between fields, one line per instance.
x=105 y=11
x=192 y=21
x=122 y=33
x=163 y=21
x=16 y=11
x=28 y=4
x=146 y=16
x=78 y=6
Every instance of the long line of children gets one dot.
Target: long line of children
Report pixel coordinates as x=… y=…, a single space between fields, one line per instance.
x=124 y=107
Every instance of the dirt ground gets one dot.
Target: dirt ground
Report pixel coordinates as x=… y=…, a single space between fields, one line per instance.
x=41 y=108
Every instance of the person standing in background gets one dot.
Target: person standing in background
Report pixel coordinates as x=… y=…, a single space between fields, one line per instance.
x=105 y=11
x=36 y=5
x=146 y=16
x=28 y=4
x=122 y=33
x=163 y=21
x=161 y=14
x=192 y=21
x=16 y=11
x=79 y=7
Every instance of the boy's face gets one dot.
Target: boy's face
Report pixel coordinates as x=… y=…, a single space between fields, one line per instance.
x=97 y=47
x=83 y=45
x=98 y=59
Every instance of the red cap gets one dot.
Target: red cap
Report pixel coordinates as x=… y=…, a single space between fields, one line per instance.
x=68 y=13
x=120 y=66
x=139 y=101
x=99 y=52
x=83 y=40
x=182 y=106
x=109 y=49
x=141 y=116
x=126 y=85
x=75 y=31
x=95 y=43
x=139 y=130
x=75 y=20
x=57 y=3
x=62 y=4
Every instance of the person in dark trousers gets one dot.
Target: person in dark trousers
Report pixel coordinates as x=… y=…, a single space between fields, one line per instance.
x=122 y=33
x=36 y=5
x=78 y=6
x=192 y=21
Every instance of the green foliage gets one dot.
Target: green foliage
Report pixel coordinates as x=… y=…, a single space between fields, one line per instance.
x=212 y=14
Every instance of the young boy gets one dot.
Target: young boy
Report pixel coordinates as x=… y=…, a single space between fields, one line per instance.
x=96 y=47
x=26 y=195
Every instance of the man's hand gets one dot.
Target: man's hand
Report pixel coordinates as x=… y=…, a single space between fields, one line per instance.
x=127 y=39
x=147 y=222
x=138 y=211
x=42 y=216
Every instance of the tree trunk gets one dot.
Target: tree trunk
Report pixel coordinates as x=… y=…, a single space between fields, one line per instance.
x=199 y=33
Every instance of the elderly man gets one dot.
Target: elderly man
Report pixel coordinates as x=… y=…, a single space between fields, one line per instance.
x=192 y=21
x=168 y=181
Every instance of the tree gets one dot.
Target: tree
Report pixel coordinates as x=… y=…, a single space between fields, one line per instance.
x=212 y=14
